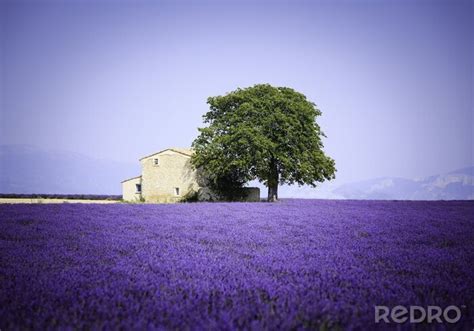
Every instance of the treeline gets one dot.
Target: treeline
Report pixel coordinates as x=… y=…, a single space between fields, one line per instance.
x=61 y=196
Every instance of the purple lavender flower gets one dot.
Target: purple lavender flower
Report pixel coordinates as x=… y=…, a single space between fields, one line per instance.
x=297 y=264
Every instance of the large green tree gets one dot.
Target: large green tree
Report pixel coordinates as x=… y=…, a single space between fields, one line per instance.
x=266 y=133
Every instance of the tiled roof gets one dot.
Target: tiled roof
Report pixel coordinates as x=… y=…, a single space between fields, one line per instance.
x=185 y=151
x=126 y=180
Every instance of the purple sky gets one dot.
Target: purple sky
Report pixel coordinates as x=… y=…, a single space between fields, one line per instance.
x=118 y=80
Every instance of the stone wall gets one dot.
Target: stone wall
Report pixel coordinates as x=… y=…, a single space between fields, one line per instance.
x=129 y=189
x=252 y=194
x=169 y=180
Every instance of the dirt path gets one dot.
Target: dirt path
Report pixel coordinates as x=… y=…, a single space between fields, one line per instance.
x=39 y=200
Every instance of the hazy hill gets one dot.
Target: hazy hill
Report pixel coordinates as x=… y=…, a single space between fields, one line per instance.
x=455 y=185
x=26 y=169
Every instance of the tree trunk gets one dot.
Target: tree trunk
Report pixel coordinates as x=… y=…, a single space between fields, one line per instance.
x=273 y=182
x=273 y=191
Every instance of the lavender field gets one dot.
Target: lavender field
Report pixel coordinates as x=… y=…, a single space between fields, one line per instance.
x=297 y=264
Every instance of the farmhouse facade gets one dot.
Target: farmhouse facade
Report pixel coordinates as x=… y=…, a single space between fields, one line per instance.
x=168 y=176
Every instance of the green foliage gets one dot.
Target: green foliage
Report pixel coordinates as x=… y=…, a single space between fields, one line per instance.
x=139 y=200
x=191 y=196
x=228 y=190
x=226 y=186
x=265 y=133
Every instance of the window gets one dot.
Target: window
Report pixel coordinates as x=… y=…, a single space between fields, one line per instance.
x=156 y=162
x=176 y=190
x=139 y=188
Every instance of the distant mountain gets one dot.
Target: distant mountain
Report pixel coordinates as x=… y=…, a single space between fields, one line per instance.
x=455 y=185
x=27 y=169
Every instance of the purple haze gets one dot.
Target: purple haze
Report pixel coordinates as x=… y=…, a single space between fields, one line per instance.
x=121 y=79
x=294 y=264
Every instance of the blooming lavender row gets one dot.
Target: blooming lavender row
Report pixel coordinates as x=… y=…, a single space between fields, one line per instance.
x=297 y=264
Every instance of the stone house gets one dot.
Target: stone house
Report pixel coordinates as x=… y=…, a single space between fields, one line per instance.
x=167 y=176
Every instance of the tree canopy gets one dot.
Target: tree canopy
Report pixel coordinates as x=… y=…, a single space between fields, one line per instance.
x=265 y=133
